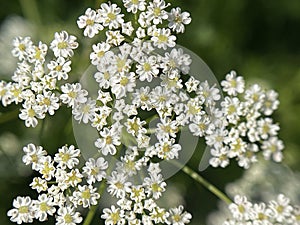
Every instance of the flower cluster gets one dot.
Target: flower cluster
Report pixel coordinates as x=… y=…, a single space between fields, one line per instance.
x=245 y=126
x=145 y=98
x=279 y=211
x=63 y=190
x=35 y=80
x=61 y=187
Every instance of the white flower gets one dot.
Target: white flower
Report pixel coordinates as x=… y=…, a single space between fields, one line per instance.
x=241 y=208
x=127 y=28
x=22 y=211
x=134 y=5
x=155 y=11
x=162 y=38
x=219 y=157
x=155 y=185
x=68 y=216
x=60 y=68
x=110 y=138
x=233 y=84
x=167 y=149
x=123 y=83
x=110 y=15
x=33 y=155
x=30 y=113
x=273 y=148
x=94 y=170
x=39 y=184
x=98 y=53
x=48 y=102
x=147 y=68
x=118 y=185
x=46 y=168
x=114 y=37
x=36 y=54
x=178 y=217
x=73 y=94
x=141 y=98
x=281 y=208
x=85 y=112
x=21 y=46
x=135 y=126
x=270 y=103
x=113 y=216
x=63 y=44
x=85 y=196
x=73 y=178
x=90 y=22
x=177 y=20
x=43 y=207
x=67 y=157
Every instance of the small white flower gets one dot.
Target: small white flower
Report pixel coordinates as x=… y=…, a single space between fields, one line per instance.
x=114 y=37
x=60 y=68
x=67 y=157
x=110 y=15
x=86 y=196
x=155 y=11
x=43 y=207
x=118 y=185
x=134 y=5
x=39 y=184
x=94 y=170
x=178 y=217
x=98 y=53
x=73 y=94
x=85 y=112
x=22 y=211
x=177 y=20
x=233 y=84
x=110 y=138
x=63 y=44
x=21 y=46
x=90 y=22
x=33 y=155
x=68 y=216
x=162 y=38
x=113 y=216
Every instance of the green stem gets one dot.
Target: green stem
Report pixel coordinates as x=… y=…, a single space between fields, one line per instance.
x=5 y=117
x=93 y=208
x=30 y=11
x=206 y=184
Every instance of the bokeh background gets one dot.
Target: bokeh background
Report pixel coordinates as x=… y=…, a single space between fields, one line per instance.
x=259 y=39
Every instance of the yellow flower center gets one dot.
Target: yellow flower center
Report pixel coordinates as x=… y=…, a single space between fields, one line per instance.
x=23 y=209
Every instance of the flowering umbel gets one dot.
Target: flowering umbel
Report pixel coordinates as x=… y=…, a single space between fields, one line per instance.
x=142 y=77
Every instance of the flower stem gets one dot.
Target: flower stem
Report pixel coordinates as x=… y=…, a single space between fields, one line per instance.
x=93 y=208
x=5 y=117
x=206 y=184
x=30 y=11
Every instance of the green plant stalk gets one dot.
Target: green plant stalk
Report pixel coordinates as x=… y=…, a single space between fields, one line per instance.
x=30 y=11
x=195 y=176
x=5 y=117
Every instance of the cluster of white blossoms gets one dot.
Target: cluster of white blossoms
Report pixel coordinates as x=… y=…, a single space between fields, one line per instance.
x=35 y=81
x=141 y=76
x=245 y=126
x=64 y=190
x=275 y=212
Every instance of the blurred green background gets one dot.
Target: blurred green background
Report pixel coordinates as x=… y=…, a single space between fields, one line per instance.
x=259 y=39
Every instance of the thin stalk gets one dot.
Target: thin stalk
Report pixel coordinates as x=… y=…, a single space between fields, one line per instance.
x=30 y=11
x=5 y=117
x=206 y=184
